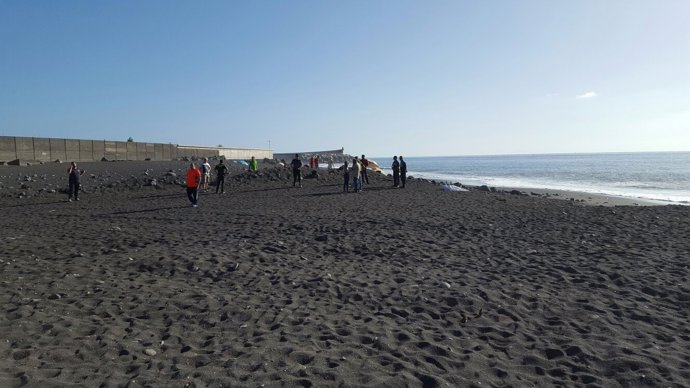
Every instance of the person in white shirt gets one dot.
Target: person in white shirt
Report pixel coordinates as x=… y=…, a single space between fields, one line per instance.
x=205 y=174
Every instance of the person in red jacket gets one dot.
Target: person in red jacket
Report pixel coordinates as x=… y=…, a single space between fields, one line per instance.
x=193 y=182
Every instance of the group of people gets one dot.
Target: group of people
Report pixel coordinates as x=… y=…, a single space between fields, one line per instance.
x=198 y=178
x=399 y=172
x=357 y=173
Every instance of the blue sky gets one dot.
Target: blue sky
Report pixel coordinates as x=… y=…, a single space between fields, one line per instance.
x=376 y=77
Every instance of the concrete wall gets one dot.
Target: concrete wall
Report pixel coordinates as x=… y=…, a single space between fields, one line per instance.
x=41 y=149
x=71 y=150
x=8 y=148
x=245 y=153
x=50 y=149
x=25 y=148
x=98 y=149
x=57 y=149
x=86 y=150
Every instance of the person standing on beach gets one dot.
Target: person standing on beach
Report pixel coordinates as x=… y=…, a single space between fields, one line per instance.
x=205 y=174
x=396 y=172
x=354 y=173
x=403 y=171
x=221 y=169
x=253 y=165
x=346 y=178
x=74 y=175
x=193 y=183
x=296 y=172
x=365 y=164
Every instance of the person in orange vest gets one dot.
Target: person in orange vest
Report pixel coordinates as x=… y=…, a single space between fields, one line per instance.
x=193 y=182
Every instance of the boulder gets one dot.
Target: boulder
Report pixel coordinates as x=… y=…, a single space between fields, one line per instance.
x=19 y=162
x=484 y=188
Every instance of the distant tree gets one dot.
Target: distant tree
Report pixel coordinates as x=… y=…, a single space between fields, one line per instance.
x=130 y=140
x=220 y=145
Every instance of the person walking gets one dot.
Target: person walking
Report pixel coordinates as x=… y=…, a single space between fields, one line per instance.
x=193 y=183
x=403 y=171
x=205 y=174
x=253 y=165
x=74 y=174
x=346 y=178
x=396 y=172
x=296 y=171
x=221 y=169
x=365 y=164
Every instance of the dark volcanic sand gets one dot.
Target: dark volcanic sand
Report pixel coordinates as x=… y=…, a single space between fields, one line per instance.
x=279 y=287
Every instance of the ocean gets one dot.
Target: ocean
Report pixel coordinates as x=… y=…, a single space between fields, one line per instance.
x=659 y=176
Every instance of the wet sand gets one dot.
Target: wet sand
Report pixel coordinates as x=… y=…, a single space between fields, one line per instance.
x=275 y=286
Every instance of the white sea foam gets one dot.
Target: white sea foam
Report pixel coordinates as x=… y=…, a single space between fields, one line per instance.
x=628 y=189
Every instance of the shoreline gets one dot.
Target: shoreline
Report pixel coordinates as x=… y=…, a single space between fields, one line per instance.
x=593 y=199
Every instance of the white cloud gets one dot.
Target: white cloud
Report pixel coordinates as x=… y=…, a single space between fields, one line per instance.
x=587 y=95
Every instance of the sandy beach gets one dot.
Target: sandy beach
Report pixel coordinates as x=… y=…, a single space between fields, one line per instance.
x=275 y=286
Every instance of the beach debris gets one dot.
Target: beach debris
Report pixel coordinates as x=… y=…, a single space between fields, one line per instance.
x=453 y=188
x=445 y=284
x=150 y=352
x=465 y=319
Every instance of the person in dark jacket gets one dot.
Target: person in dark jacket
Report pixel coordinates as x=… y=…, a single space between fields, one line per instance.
x=296 y=171
x=396 y=172
x=403 y=171
x=221 y=169
x=74 y=181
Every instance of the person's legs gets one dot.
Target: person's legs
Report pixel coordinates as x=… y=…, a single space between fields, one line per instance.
x=76 y=191
x=403 y=178
x=396 y=178
x=71 y=190
x=190 y=195
x=346 y=183
x=195 y=195
x=220 y=184
x=365 y=175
